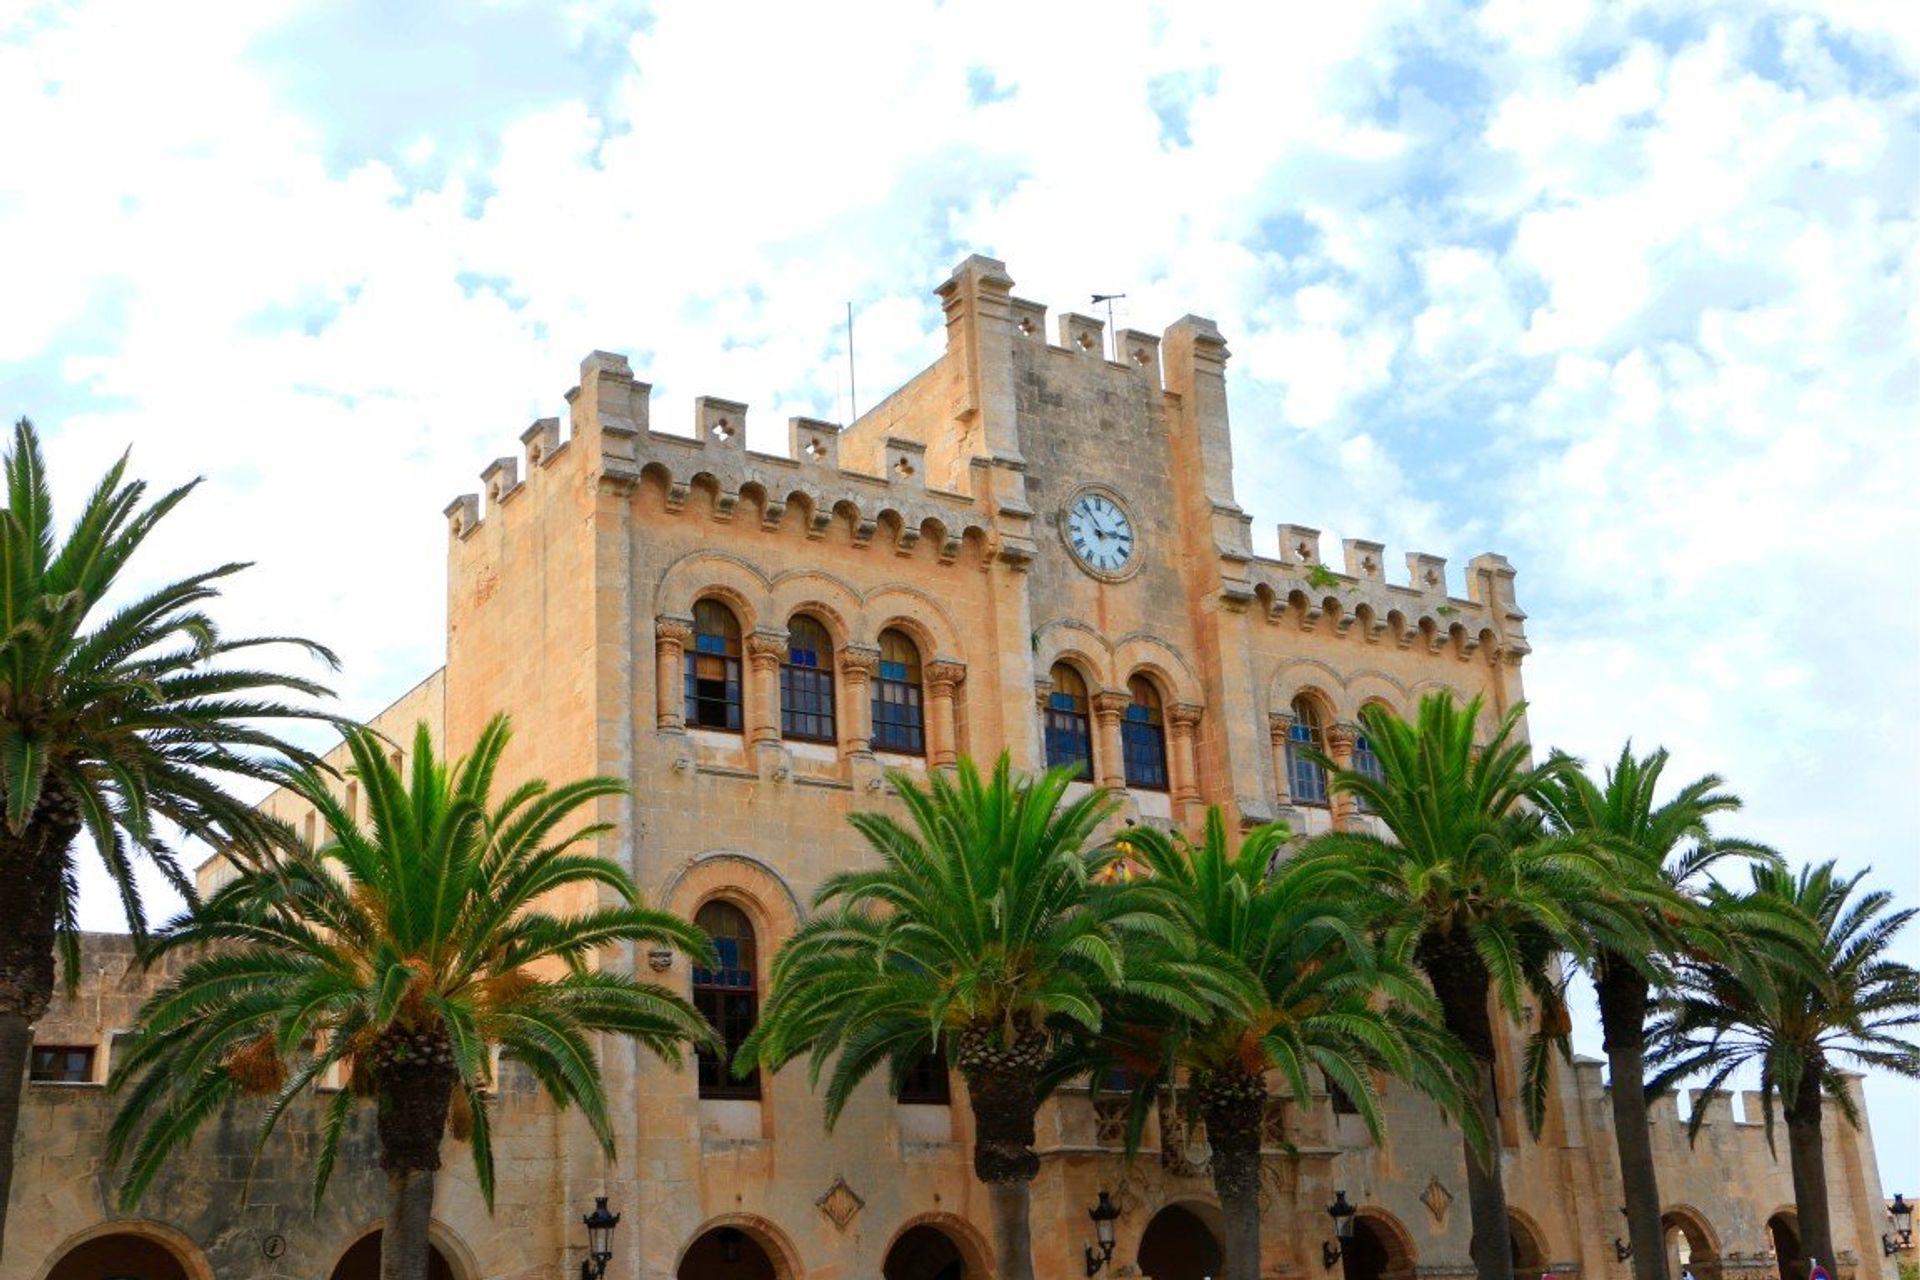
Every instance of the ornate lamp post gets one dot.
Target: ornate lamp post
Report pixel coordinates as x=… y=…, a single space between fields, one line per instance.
x=600 y=1225
x=1104 y=1214
x=1342 y=1214
x=1900 y=1213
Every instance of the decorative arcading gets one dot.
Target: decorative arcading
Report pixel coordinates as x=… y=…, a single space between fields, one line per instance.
x=1297 y=588
x=611 y=423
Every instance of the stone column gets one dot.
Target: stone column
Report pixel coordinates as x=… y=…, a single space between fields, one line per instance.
x=1182 y=719
x=859 y=664
x=672 y=633
x=766 y=649
x=943 y=680
x=1341 y=738
x=1279 y=732
x=1110 y=761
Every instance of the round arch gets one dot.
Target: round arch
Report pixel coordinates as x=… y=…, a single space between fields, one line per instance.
x=106 y=1247
x=1182 y=1241
x=1530 y=1254
x=1381 y=1247
x=919 y=615
x=745 y=1235
x=717 y=575
x=969 y=1249
x=817 y=592
x=1683 y=1223
x=1783 y=1237
x=450 y=1258
x=1140 y=651
x=742 y=879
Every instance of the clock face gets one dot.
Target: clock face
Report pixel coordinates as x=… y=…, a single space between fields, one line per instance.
x=1100 y=533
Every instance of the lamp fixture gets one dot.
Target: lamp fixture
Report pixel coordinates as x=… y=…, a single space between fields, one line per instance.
x=1342 y=1214
x=1104 y=1214
x=600 y=1224
x=1902 y=1215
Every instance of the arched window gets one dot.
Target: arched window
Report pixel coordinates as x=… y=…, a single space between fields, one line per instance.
x=899 y=720
x=806 y=682
x=713 y=668
x=1366 y=761
x=926 y=1082
x=728 y=994
x=1307 y=779
x=1143 y=733
x=1069 y=737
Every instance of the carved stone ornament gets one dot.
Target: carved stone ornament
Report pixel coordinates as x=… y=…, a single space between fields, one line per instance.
x=840 y=1204
x=1437 y=1199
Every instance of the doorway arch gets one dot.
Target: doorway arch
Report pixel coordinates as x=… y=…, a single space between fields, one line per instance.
x=912 y=1255
x=361 y=1261
x=138 y=1250
x=738 y=1247
x=1783 y=1234
x=1684 y=1230
x=1181 y=1242
x=1380 y=1248
x=1529 y=1249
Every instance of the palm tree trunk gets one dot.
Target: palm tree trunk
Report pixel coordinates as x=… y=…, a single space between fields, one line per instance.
x=1002 y=1090
x=414 y=1077
x=1234 y=1103
x=1623 y=1019
x=1461 y=984
x=1809 y=1160
x=32 y=867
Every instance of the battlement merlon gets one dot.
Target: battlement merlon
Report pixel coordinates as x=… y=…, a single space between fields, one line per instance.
x=1194 y=356
x=1299 y=586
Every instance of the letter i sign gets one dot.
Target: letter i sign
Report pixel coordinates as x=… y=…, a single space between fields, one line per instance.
x=1818 y=1272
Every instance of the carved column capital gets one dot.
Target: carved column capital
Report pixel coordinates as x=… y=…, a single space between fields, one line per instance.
x=674 y=629
x=1110 y=704
x=860 y=663
x=766 y=647
x=1184 y=717
x=1042 y=690
x=944 y=675
x=1341 y=737
x=1279 y=725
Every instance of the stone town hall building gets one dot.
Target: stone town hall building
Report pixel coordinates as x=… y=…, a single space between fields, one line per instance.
x=1029 y=547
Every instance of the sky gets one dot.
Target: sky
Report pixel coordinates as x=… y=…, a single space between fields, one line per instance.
x=1623 y=291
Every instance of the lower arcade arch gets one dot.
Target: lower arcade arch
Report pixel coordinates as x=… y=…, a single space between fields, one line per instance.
x=738 y=1248
x=1783 y=1235
x=129 y=1251
x=1181 y=1242
x=361 y=1261
x=1690 y=1244
x=1380 y=1248
x=1529 y=1249
x=936 y=1246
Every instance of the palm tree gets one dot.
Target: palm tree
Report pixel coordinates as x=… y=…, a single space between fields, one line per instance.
x=1313 y=995
x=1673 y=847
x=119 y=726
x=982 y=935
x=1468 y=883
x=1799 y=1028
x=403 y=953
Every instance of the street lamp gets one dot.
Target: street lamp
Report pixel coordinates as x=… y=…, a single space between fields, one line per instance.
x=1901 y=1214
x=600 y=1225
x=1342 y=1214
x=1104 y=1215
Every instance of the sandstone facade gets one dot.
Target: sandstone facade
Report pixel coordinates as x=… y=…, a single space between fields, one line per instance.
x=928 y=552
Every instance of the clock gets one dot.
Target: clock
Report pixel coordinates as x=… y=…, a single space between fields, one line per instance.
x=1100 y=534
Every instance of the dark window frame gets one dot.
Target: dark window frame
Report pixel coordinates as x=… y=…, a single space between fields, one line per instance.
x=807 y=693
x=1306 y=779
x=1067 y=726
x=899 y=702
x=728 y=996
x=710 y=702
x=929 y=1083
x=1143 y=738
x=43 y=1068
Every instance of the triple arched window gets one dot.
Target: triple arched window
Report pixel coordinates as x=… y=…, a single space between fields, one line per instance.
x=806 y=682
x=1366 y=761
x=1069 y=731
x=713 y=668
x=729 y=995
x=1305 y=778
x=899 y=712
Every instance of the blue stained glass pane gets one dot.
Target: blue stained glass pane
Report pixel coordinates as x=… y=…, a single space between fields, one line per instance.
x=710 y=644
x=893 y=671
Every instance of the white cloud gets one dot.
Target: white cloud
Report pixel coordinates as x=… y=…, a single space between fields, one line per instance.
x=1625 y=296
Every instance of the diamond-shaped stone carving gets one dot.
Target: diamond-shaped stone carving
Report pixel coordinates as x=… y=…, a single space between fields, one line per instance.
x=840 y=1203
x=1437 y=1198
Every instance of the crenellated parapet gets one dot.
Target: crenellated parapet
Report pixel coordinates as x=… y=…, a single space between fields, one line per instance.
x=1361 y=602
x=806 y=489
